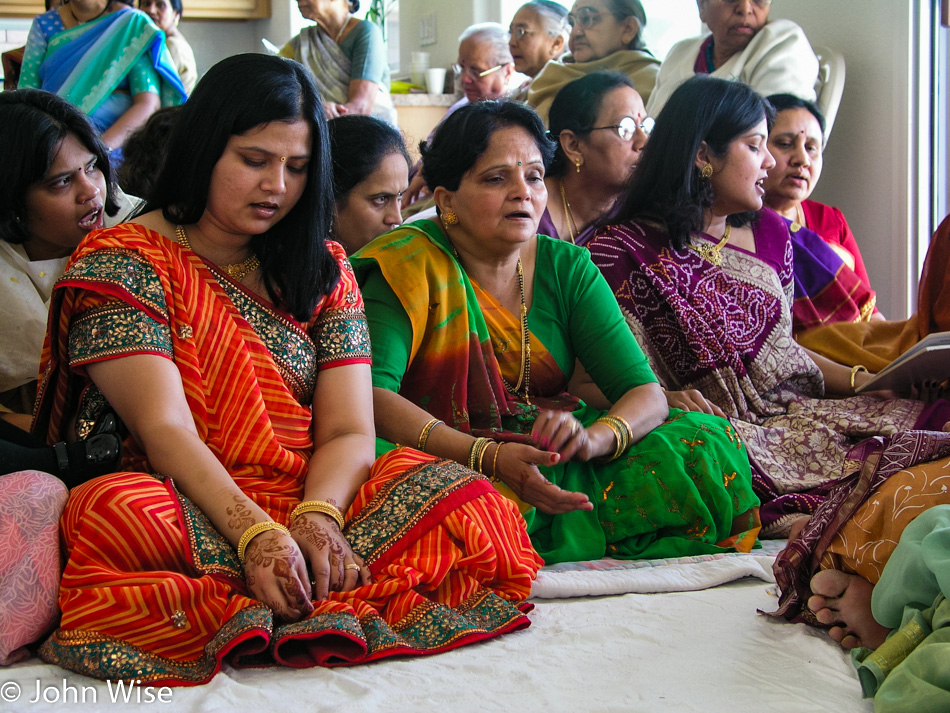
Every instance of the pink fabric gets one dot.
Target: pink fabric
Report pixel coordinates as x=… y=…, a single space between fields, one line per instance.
x=31 y=503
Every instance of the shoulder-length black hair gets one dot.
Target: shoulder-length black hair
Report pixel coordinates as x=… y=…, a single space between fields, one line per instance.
x=781 y=102
x=464 y=136
x=33 y=124
x=667 y=185
x=358 y=144
x=576 y=107
x=235 y=96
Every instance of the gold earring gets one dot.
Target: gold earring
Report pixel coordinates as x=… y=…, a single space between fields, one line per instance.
x=450 y=218
x=706 y=171
x=577 y=165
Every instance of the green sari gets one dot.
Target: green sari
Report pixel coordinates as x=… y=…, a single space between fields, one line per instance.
x=684 y=489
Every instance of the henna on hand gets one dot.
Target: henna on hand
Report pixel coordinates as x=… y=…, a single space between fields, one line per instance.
x=240 y=515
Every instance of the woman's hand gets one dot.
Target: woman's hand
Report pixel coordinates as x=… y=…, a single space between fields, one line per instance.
x=517 y=466
x=276 y=574
x=332 y=110
x=692 y=400
x=417 y=189
x=333 y=563
x=560 y=432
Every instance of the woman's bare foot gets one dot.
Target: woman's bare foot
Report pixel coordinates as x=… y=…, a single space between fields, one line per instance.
x=844 y=600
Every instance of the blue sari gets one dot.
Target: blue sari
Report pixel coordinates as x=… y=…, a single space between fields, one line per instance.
x=90 y=65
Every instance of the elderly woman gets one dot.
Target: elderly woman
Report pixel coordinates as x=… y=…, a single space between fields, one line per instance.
x=347 y=57
x=605 y=35
x=484 y=69
x=243 y=333
x=167 y=14
x=770 y=56
x=601 y=129
x=537 y=34
x=476 y=321
x=370 y=174
x=105 y=58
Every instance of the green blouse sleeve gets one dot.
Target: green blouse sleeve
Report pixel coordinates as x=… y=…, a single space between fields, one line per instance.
x=600 y=336
x=390 y=331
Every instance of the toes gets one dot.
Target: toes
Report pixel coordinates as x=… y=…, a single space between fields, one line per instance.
x=827 y=616
x=839 y=634
x=830 y=583
x=850 y=641
x=816 y=603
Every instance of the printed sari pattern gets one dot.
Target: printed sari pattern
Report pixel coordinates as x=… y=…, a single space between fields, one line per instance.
x=683 y=489
x=727 y=332
x=151 y=591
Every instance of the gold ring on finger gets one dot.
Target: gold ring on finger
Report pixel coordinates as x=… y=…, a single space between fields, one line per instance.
x=352 y=566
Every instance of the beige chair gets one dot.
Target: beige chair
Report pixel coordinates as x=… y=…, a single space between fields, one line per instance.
x=830 y=84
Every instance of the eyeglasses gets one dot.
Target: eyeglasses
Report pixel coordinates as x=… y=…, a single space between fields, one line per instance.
x=474 y=72
x=519 y=33
x=586 y=17
x=628 y=127
x=758 y=3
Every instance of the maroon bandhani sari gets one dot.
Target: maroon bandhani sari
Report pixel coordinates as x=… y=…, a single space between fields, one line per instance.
x=727 y=331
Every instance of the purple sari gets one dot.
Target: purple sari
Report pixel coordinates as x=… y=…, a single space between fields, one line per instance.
x=727 y=332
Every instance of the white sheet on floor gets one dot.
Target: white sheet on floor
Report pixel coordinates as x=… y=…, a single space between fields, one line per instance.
x=702 y=651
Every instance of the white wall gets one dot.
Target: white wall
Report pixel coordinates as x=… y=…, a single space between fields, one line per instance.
x=873 y=162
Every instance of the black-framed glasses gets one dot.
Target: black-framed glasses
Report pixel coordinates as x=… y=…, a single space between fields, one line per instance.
x=586 y=17
x=628 y=127
x=519 y=33
x=474 y=72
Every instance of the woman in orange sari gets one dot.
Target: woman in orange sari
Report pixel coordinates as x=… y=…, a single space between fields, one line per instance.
x=227 y=334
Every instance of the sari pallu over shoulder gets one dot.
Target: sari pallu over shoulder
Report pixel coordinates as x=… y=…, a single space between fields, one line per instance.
x=726 y=331
x=683 y=489
x=86 y=63
x=152 y=592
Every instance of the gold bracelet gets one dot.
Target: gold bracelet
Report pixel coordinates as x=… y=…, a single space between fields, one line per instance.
x=494 y=465
x=424 y=434
x=481 y=453
x=854 y=372
x=478 y=443
x=254 y=530
x=628 y=432
x=620 y=433
x=320 y=506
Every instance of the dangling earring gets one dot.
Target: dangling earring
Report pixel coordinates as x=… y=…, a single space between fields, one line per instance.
x=450 y=218
x=577 y=165
x=706 y=171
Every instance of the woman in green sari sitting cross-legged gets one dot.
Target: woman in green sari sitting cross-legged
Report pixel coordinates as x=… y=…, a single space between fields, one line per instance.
x=476 y=322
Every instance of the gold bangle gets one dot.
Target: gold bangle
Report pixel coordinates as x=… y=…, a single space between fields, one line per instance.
x=494 y=465
x=424 y=434
x=628 y=432
x=482 y=452
x=253 y=531
x=478 y=443
x=320 y=506
x=854 y=372
x=620 y=433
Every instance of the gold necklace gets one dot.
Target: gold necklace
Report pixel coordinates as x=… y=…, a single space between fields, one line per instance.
x=524 y=375
x=800 y=215
x=236 y=271
x=568 y=213
x=710 y=253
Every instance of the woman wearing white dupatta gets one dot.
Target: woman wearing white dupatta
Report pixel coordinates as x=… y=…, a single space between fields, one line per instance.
x=347 y=58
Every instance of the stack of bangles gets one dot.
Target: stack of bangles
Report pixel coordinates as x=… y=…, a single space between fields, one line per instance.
x=424 y=433
x=253 y=531
x=854 y=373
x=477 y=454
x=622 y=432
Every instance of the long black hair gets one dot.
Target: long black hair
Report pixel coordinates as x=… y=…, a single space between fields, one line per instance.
x=33 y=124
x=465 y=134
x=576 y=107
x=236 y=95
x=667 y=185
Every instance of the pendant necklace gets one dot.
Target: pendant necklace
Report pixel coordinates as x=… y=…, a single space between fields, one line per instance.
x=711 y=253
x=236 y=271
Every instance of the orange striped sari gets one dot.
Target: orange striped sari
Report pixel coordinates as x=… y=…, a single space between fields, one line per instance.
x=150 y=590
